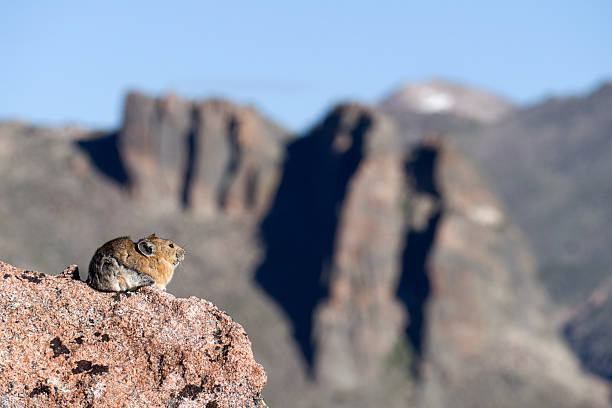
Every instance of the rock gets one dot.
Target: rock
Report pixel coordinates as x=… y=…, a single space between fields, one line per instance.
x=332 y=238
x=487 y=338
x=588 y=331
x=208 y=157
x=359 y=323
x=65 y=344
x=404 y=280
x=551 y=165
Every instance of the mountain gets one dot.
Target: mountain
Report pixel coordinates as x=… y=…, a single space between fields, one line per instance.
x=443 y=97
x=588 y=331
x=368 y=269
x=551 y=165
x=442 y=106
x=487 y=327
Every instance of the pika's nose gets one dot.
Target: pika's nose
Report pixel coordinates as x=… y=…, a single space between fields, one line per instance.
x=180 y=254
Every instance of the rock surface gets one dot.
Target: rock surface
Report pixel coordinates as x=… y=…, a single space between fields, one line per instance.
x=551 y=164
x=488 y=340
x=409 y=285
x=589 y=331
x=64 y=344
x=359 y=323
x=208 y=157
x=332 y=238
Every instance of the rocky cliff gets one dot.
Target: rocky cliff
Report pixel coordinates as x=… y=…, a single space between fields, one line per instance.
x=359 y=322
x=550 y=163
x=486 y=328
x=65 y=344
x=206 y=157
x=588 y=331
x=414 y=265
x=372 y=269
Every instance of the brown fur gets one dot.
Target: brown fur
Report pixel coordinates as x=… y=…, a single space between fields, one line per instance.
x=160 y=265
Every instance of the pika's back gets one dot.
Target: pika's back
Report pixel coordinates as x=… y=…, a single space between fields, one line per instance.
x=121 y=248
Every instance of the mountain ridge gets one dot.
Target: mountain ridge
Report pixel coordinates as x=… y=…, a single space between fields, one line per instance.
x=442 y=96
x=349 y=206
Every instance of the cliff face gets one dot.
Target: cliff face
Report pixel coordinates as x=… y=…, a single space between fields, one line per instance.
x=381 y=259
x=65 y=344
x=487 y=330
x=367 y=270
x=588 y=331
x=551 y=164
x=359 y=322
x=207 y=157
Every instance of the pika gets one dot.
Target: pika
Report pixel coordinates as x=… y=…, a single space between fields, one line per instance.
x=123 y=265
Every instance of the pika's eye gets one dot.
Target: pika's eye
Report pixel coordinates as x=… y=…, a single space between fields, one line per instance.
x=171 y=245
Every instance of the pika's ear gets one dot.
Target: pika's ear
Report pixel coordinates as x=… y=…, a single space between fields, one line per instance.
x=145 y=247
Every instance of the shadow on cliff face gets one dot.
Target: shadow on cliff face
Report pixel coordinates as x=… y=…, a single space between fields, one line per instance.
x=588 y=333
x=234 y=162
x=300 y=229
x=104 y=154
x=414 y=287
x=191 y=146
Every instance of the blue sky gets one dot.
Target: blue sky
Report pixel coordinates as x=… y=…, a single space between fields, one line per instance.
x=72 y=62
